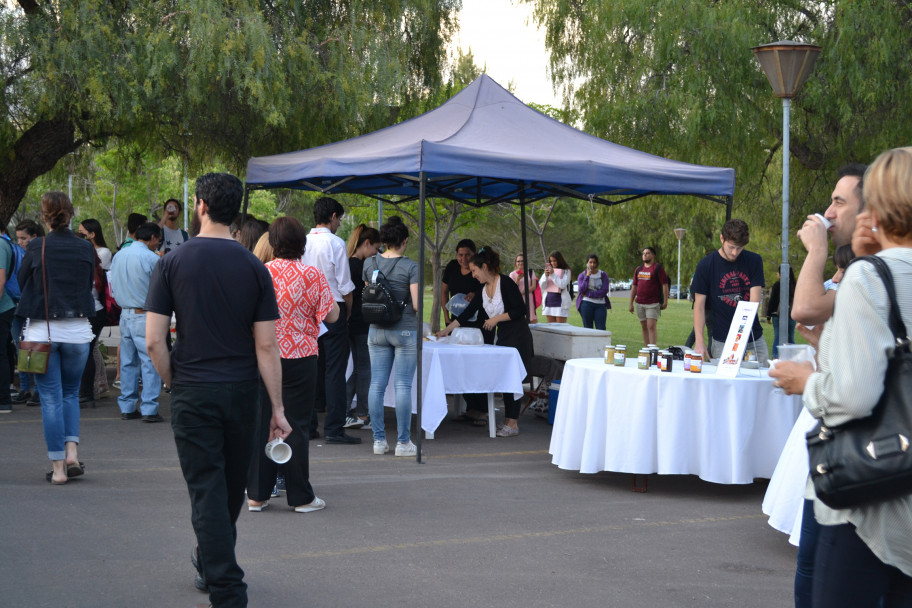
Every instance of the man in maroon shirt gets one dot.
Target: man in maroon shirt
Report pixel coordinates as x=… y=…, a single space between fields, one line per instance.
x=650 y=283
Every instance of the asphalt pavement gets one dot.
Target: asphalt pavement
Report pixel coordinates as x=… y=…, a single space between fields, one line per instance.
x=482 y=522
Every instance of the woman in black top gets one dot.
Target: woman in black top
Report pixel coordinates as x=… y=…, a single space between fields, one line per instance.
x=362 y=244
x=502 y=312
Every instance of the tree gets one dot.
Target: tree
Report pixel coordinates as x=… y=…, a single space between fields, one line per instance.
x=677 y=79
x=205 y=78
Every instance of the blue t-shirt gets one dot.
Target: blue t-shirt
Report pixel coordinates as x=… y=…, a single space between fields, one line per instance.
x=725 y=284
x=6 y=262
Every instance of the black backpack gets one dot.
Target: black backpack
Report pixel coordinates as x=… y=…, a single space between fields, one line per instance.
x=378 y=306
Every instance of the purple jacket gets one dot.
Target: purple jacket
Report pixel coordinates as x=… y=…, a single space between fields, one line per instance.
x=582 y=285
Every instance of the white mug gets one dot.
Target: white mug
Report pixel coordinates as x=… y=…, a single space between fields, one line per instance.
x=278 y=451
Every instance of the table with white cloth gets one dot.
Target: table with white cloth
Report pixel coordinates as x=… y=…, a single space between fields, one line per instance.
x=628 y=420
x=458 y=369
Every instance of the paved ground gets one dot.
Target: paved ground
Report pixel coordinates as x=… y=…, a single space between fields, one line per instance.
x=483 y=522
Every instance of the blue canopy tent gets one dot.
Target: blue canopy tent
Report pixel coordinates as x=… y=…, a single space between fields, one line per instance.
x=483 y=147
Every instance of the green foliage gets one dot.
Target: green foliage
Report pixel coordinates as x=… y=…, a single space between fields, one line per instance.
x=678 y=79
x=206 y=79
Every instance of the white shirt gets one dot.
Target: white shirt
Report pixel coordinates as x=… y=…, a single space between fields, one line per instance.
x=494 y=305
x=326 y=251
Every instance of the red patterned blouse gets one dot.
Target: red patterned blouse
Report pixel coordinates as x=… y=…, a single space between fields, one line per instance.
x=304 y=301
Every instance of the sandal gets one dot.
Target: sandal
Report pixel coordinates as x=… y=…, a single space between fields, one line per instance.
x=483 y=421
x=50 y=478
x=75 y=470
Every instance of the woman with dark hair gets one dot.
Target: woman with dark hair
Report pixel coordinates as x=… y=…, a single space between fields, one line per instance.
x=556 y=285
x=98 y=321
x=517 y=276
x=592 y=299
x=67 y=263
x=90 y=230
x=502 y=311
x=362 y=244
x=304 y=300
x=457 y=278
x=394 y=343
x=250 y=232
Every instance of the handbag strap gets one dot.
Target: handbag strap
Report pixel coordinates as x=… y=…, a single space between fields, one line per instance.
x=896 y=323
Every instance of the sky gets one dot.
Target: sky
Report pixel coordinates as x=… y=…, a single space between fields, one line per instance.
x=502 y=36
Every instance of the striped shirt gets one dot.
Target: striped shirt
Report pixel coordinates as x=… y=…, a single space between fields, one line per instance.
x=849 y=382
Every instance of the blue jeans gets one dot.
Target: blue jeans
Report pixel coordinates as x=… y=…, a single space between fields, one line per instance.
x=593 y=315
x=386 y=346
x=359 y=382
x=807 y=547
x=59 y=388
x=791 y=332
x=134 y=359
x=847 y=573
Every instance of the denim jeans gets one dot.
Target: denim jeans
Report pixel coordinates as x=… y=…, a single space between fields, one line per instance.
x=214 y=425
x=360 y=380
x=807 y=547
x=387 y=346
x=59 y=389
x=593 y=315
x=847 y=573
x=791 y=334
x=134 y=359
x=6 y=321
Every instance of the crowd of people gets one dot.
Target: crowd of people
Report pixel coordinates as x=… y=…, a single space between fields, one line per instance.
x=270 y=313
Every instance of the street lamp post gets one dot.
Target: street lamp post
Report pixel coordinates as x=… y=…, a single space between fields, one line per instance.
x=679 y=232
x=787 y=65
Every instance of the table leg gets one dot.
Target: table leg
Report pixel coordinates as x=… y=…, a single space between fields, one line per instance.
x=458 y=405
x=633 y=484
x=491 y=415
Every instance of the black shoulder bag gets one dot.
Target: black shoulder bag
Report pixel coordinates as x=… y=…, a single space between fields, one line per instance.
x=869 y=460
x=378 y=306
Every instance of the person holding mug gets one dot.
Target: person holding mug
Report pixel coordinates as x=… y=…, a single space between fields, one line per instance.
x=556 y=285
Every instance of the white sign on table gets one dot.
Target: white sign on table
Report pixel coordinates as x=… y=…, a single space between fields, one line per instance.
x=739 y=334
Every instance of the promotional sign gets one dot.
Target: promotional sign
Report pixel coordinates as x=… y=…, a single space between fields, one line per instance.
x=739 y=334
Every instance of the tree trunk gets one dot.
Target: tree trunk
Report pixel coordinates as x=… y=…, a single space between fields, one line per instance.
x=35 y=153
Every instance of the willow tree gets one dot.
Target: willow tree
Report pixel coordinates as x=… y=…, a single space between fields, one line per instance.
x=677 y=78
x=205 y=78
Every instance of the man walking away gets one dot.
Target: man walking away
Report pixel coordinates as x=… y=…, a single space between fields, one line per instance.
x=226 y=311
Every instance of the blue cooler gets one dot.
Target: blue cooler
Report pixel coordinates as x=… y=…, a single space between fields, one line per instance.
x=552 y=400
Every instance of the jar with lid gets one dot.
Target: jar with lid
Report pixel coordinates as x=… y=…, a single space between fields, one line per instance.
x=687 y=359
x=609 y=354
x=668 y=358
x=643 y=359
x=696 y=364
x=620 y=355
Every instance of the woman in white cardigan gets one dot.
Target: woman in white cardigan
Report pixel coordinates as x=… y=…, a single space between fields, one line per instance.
x=555 y=284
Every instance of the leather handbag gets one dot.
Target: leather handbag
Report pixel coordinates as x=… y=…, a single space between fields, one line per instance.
x=869 y=460
x=33 y=356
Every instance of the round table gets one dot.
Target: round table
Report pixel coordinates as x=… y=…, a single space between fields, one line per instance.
x=628 y=420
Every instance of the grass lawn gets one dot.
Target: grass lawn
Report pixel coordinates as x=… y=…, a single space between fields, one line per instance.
x=674 y=324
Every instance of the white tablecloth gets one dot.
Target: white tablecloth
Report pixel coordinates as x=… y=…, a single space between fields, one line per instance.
x=725 y=430
x=457 y=369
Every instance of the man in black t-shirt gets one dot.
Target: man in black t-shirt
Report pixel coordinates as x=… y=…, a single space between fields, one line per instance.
x=226 y=310
x=724 y=278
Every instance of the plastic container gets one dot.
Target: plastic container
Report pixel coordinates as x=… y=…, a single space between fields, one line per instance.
x=470 y=336
x=552 y=400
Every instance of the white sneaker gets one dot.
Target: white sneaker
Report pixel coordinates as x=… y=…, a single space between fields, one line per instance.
x=353 y=422
x=406 y=449
x=382 y=447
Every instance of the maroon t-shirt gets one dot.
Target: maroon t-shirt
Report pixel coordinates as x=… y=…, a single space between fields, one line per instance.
x=648 y=283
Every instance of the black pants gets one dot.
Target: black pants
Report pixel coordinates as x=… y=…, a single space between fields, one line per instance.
x=332 y=362
x=213 y=426
x=848 y=574
x=87 y=386
x=299 y=380
x=6 y=320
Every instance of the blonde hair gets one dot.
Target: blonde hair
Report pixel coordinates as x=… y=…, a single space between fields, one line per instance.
x=361 y=233
x=888 y=191
x=263 y=250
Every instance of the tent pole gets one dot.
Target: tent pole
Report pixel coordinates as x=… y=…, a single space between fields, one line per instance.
x=522 y=223
x=728 y=210
x=420 y=338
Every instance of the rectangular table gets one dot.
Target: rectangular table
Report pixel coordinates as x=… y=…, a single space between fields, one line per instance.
x=458 y=369
x=627 y=420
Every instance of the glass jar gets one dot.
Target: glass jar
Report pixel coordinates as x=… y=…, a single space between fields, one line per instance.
x=687 y=359
x=696 y=364
x=609 y=354
x=669 y=361
x=620 y=355
x=643 y=359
